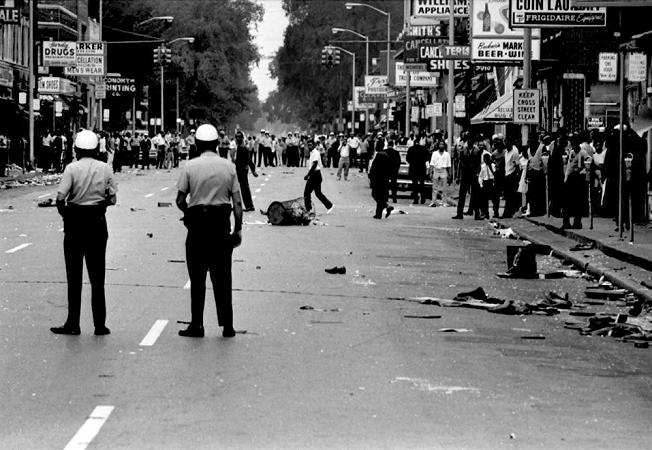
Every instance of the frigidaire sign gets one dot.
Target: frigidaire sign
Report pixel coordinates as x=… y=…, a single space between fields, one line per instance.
x=554 y=14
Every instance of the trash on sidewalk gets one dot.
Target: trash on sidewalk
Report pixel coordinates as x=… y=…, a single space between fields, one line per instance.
x=164 y=204
x=554 y=300
x=582 y=247
x=604 y=292
x=48 y=203
x=505 y=233
x=336 y=270
x=454 y=330
x=136 y=209
x=150 y=235
x=534 y=337
x=312 y=308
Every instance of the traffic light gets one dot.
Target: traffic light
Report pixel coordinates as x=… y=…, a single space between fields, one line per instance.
x=167 y=55
x=327 y=56
x=157 y=56
x=336 y=57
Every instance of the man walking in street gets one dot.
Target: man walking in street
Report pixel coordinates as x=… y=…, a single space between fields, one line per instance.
x=314 y=179
x=242 y=165
x=212 y=184
x=344 y=163
x=379 y=175
x=394 y=166
x=417 y=158
x=469 y=167
x=87 y=188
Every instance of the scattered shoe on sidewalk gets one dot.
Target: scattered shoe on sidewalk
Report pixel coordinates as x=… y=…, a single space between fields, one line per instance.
x=336 y=270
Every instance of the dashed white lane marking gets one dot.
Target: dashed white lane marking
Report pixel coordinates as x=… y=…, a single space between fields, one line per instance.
x=44 y=195
x=258 y=190
x=164 y=189
x=91 y=427
x=18 y=248
x=149 y=195
x=187 y=285
x=154 y=333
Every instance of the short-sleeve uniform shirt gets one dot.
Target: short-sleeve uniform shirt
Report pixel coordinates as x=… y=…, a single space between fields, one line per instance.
x=87 y=182
x=209 y=180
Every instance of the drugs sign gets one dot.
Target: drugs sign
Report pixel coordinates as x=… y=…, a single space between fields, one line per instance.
x=554 y=14
x=59 y=53
x=90 y=59
x=526 y=106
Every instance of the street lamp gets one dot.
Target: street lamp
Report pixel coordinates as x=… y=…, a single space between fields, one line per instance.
x=351 y=5
x=181 y=39
x=168 y=19
x=336 y=30
x=352 y=83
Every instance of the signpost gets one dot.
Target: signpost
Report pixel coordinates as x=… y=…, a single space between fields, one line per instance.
x=526 y=106
x=554 y=14
x=608 y=67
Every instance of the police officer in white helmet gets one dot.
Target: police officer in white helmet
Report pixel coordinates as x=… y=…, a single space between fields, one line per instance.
x=87 y=188
x=212 y=186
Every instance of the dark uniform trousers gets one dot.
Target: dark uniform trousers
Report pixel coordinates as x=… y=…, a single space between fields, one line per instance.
x=380 y=193
x=209 y=247
x=243 y=179
x=314 y=185
x=85 y=238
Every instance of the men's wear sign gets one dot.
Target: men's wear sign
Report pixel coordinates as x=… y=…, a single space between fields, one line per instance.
x=526 y=106
x=439 y=9
x=90 y=59
x=59 y=53
x=608 y=67
x=554 y=14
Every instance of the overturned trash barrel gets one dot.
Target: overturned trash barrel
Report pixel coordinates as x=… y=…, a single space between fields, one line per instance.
x=289 y=212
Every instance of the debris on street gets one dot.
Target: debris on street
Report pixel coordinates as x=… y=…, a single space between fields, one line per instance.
x=336 y=270
x=164 y=204
x=312 y=308
x=454 y=330
x=48 y=203
x=421 y=317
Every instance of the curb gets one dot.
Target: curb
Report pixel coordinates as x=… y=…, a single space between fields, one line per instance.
x=591 y=269
x=604 y=248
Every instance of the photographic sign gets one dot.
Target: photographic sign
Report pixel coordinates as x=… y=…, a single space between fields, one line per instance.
x=636 y=67
x=9 y=12
x=608 y=67
x=59 y=53
x=439 y=9
x=554 y=14
x=90 y=59
x=502 y=50
x=417 y=79
x=460 y=106
x=376 y=86
x=526 y=106
x=120 y=86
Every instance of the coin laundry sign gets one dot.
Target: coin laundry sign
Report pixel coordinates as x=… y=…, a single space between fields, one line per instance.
x=554 y=14
x=526 y=106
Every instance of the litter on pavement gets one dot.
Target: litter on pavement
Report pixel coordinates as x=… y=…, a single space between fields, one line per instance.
x=312 y=308
x=336 y=270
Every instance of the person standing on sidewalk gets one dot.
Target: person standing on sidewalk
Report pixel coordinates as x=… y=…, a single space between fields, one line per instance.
x=363 y=153
x=314 y=179
x=87 y=188
x=512 y=178
x=468 y=175
x=575 y=188
x=242 y=165
x=379 y=175
x=344 y=161
x=440 y=166
x=208 y=192
x=417 y=158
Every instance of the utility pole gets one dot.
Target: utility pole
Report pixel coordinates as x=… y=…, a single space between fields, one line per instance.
x=527 y=69
x=451 y=79
x=32 y=77
x=98 y=79
x=162 y=99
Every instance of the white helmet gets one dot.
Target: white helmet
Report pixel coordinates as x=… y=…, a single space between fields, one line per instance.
x=206 y=133
x=86 y=140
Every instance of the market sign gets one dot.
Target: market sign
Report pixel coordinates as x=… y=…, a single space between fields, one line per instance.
x=120 y=86
x=439 y=9
x=9 y=12
x=554 y=14
x=502 y=50
x=608 y=67
x=636 y=67
x=56 y=85
x=90 y=59
x=417 y=79
x=526 y=106
x=59 y=53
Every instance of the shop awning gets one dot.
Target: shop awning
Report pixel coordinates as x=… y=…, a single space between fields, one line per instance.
x=500 y=111
x=642 y=121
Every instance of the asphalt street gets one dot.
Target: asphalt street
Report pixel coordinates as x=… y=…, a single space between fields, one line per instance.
x=354 y=372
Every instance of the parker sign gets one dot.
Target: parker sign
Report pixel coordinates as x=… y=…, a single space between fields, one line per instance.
x=554 y=14
x=90 y=59
x=439 y=9
x=59 y=53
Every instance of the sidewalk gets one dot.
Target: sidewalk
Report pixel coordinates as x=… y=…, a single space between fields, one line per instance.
x=606 y=239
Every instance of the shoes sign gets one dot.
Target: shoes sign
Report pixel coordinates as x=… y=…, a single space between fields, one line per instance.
x=554 y=14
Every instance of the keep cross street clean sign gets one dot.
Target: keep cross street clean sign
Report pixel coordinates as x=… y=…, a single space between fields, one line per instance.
x=554 y=14
x=526 y=106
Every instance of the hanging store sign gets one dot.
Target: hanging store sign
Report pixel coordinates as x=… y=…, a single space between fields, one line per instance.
x=56 y=85
x=608 y=67
x=376 y=86
x=59 y=53
x=9 y=12
x=120 y=86
x=460 y=106
x=423 y=35
x=636 y=67
x=526 y=106
x=502 y=50
x=439 y=9
x=434 y=57
x=360 y=99
x=90 y=59
x=417 y=79
x=554 y=14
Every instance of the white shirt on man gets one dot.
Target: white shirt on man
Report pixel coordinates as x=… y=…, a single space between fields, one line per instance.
x=315 y=156
x=440 y=160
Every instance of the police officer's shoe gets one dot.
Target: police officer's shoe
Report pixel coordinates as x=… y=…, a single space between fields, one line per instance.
x=66 y=330
x=102 y=331
x=192 y=331
x=228 y=332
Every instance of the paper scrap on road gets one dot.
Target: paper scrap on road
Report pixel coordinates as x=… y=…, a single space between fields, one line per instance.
x=422 y=384
x=149 y=195
x=18 y=248
x=454 y=330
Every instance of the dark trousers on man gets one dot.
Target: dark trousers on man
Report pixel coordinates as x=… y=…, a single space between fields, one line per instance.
x=144 y=159
x=465 y=188
x=85 y=239
x=314 y=185
x=393 y=185
x=512 y=196
x=160 y=157
x=418 y=188
x=208 y=250
x=380 y=193
x=243 y=179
